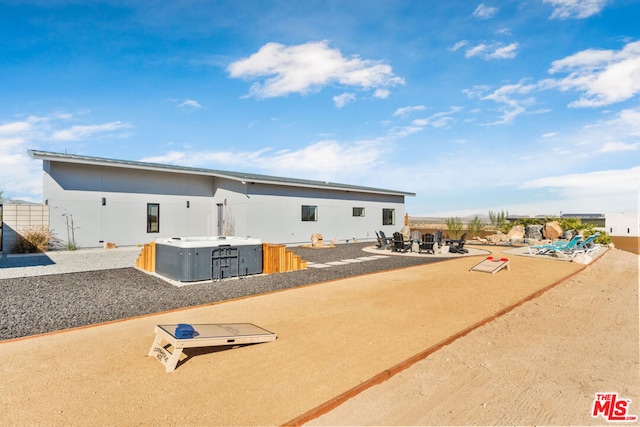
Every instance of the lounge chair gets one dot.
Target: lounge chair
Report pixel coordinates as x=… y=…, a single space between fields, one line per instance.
x=386 y=239
x=554 y=247
x=400 y=244
x=456 y=246
x=587 y=247
x=383 y=242
x=427 y=243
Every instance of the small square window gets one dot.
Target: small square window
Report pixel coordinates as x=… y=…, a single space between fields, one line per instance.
x=358 y=211
x=153 y=218
x=388 y=216
x=309 y=213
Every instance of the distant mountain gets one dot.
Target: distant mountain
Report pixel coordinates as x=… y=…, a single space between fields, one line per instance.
x=17 y=202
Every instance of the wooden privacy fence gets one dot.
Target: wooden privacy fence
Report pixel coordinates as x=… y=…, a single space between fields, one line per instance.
x=147 y=258
x=275 y=259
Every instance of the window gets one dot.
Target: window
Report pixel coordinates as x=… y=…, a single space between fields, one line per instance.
x=358 y=211
x=309 y=213
x=153 y=218
x=388 y=216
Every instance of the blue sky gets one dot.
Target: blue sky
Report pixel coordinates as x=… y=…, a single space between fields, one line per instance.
x=529 y=106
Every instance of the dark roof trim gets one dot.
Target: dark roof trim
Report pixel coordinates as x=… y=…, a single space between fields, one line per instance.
x=235 y=176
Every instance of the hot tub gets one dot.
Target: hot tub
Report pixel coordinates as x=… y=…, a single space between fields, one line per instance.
x=193 y=259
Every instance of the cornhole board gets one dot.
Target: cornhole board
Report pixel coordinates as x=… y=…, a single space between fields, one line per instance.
x=491 y=265
x=206 y=335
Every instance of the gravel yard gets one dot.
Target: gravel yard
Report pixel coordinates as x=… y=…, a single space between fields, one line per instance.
x=35 y=303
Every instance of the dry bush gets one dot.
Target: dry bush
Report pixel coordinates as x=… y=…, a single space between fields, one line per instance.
x=33 y=239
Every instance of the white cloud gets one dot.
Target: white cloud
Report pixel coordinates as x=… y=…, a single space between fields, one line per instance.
x=618 y=134
x=190 y=104
x=492 y=51
x=591 y=184
x=407 y=110
x=14 y=128
x=459 y=45
x=604 y=76
x=509 y=99
x=485 y=12
x=78 y=132
x=617 y=146
x=343 y=99
x=442 y=119
x=21 y=176
x=381 y=93
x=565 y=9
x=307 y=68
x=323 y=160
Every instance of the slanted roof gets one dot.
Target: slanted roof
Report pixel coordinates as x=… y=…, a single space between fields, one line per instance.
x=235 y=176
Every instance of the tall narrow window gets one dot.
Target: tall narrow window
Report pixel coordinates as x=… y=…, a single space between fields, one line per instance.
x=309 y=213
x=358 y=211
x=388 y=216
x=153 y=218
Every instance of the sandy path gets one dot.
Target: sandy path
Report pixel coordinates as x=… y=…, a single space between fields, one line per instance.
x=332 y=338
x=540 y=364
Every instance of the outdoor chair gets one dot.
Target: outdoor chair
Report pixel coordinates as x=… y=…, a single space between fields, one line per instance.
x=586 y=247
x=456 y=246
x=562 y=246
x=400 y=244
x=383 y=242
x=385 y=239
x=427 y=243
x=438 y=237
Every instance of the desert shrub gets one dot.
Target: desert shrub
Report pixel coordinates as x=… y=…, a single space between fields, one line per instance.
x=454 y=225
x=33 y=239
x=475 y=226
x=498 y=220
x=603 y=238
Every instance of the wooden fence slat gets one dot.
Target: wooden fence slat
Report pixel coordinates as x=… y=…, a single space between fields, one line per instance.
x=277 y=259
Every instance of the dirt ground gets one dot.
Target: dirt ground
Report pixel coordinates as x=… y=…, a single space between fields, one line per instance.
x=514 y=362
x=540 y=364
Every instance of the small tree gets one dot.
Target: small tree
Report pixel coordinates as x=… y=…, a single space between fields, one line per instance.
x=71 y=233
x=498 y=220
x=454 y=225
x=475 y=226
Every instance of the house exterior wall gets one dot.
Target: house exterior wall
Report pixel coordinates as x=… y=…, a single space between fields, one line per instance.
x=76 y=191
x=622 y=224
x=275 y=214
x=269 y=212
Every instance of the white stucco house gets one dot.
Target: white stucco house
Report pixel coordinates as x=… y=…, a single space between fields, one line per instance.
x=130 y=203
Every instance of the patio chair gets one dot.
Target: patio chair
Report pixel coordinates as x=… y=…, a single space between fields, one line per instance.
x=456 y=246
x=554 y=247
x=389 y=240
x=586 y=247
x=438 y=237
x=383 y=242
x=427 y=243
x=400 y=244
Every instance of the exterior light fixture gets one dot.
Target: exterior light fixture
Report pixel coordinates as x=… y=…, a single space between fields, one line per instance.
x=104 y=201
x=188 y=204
